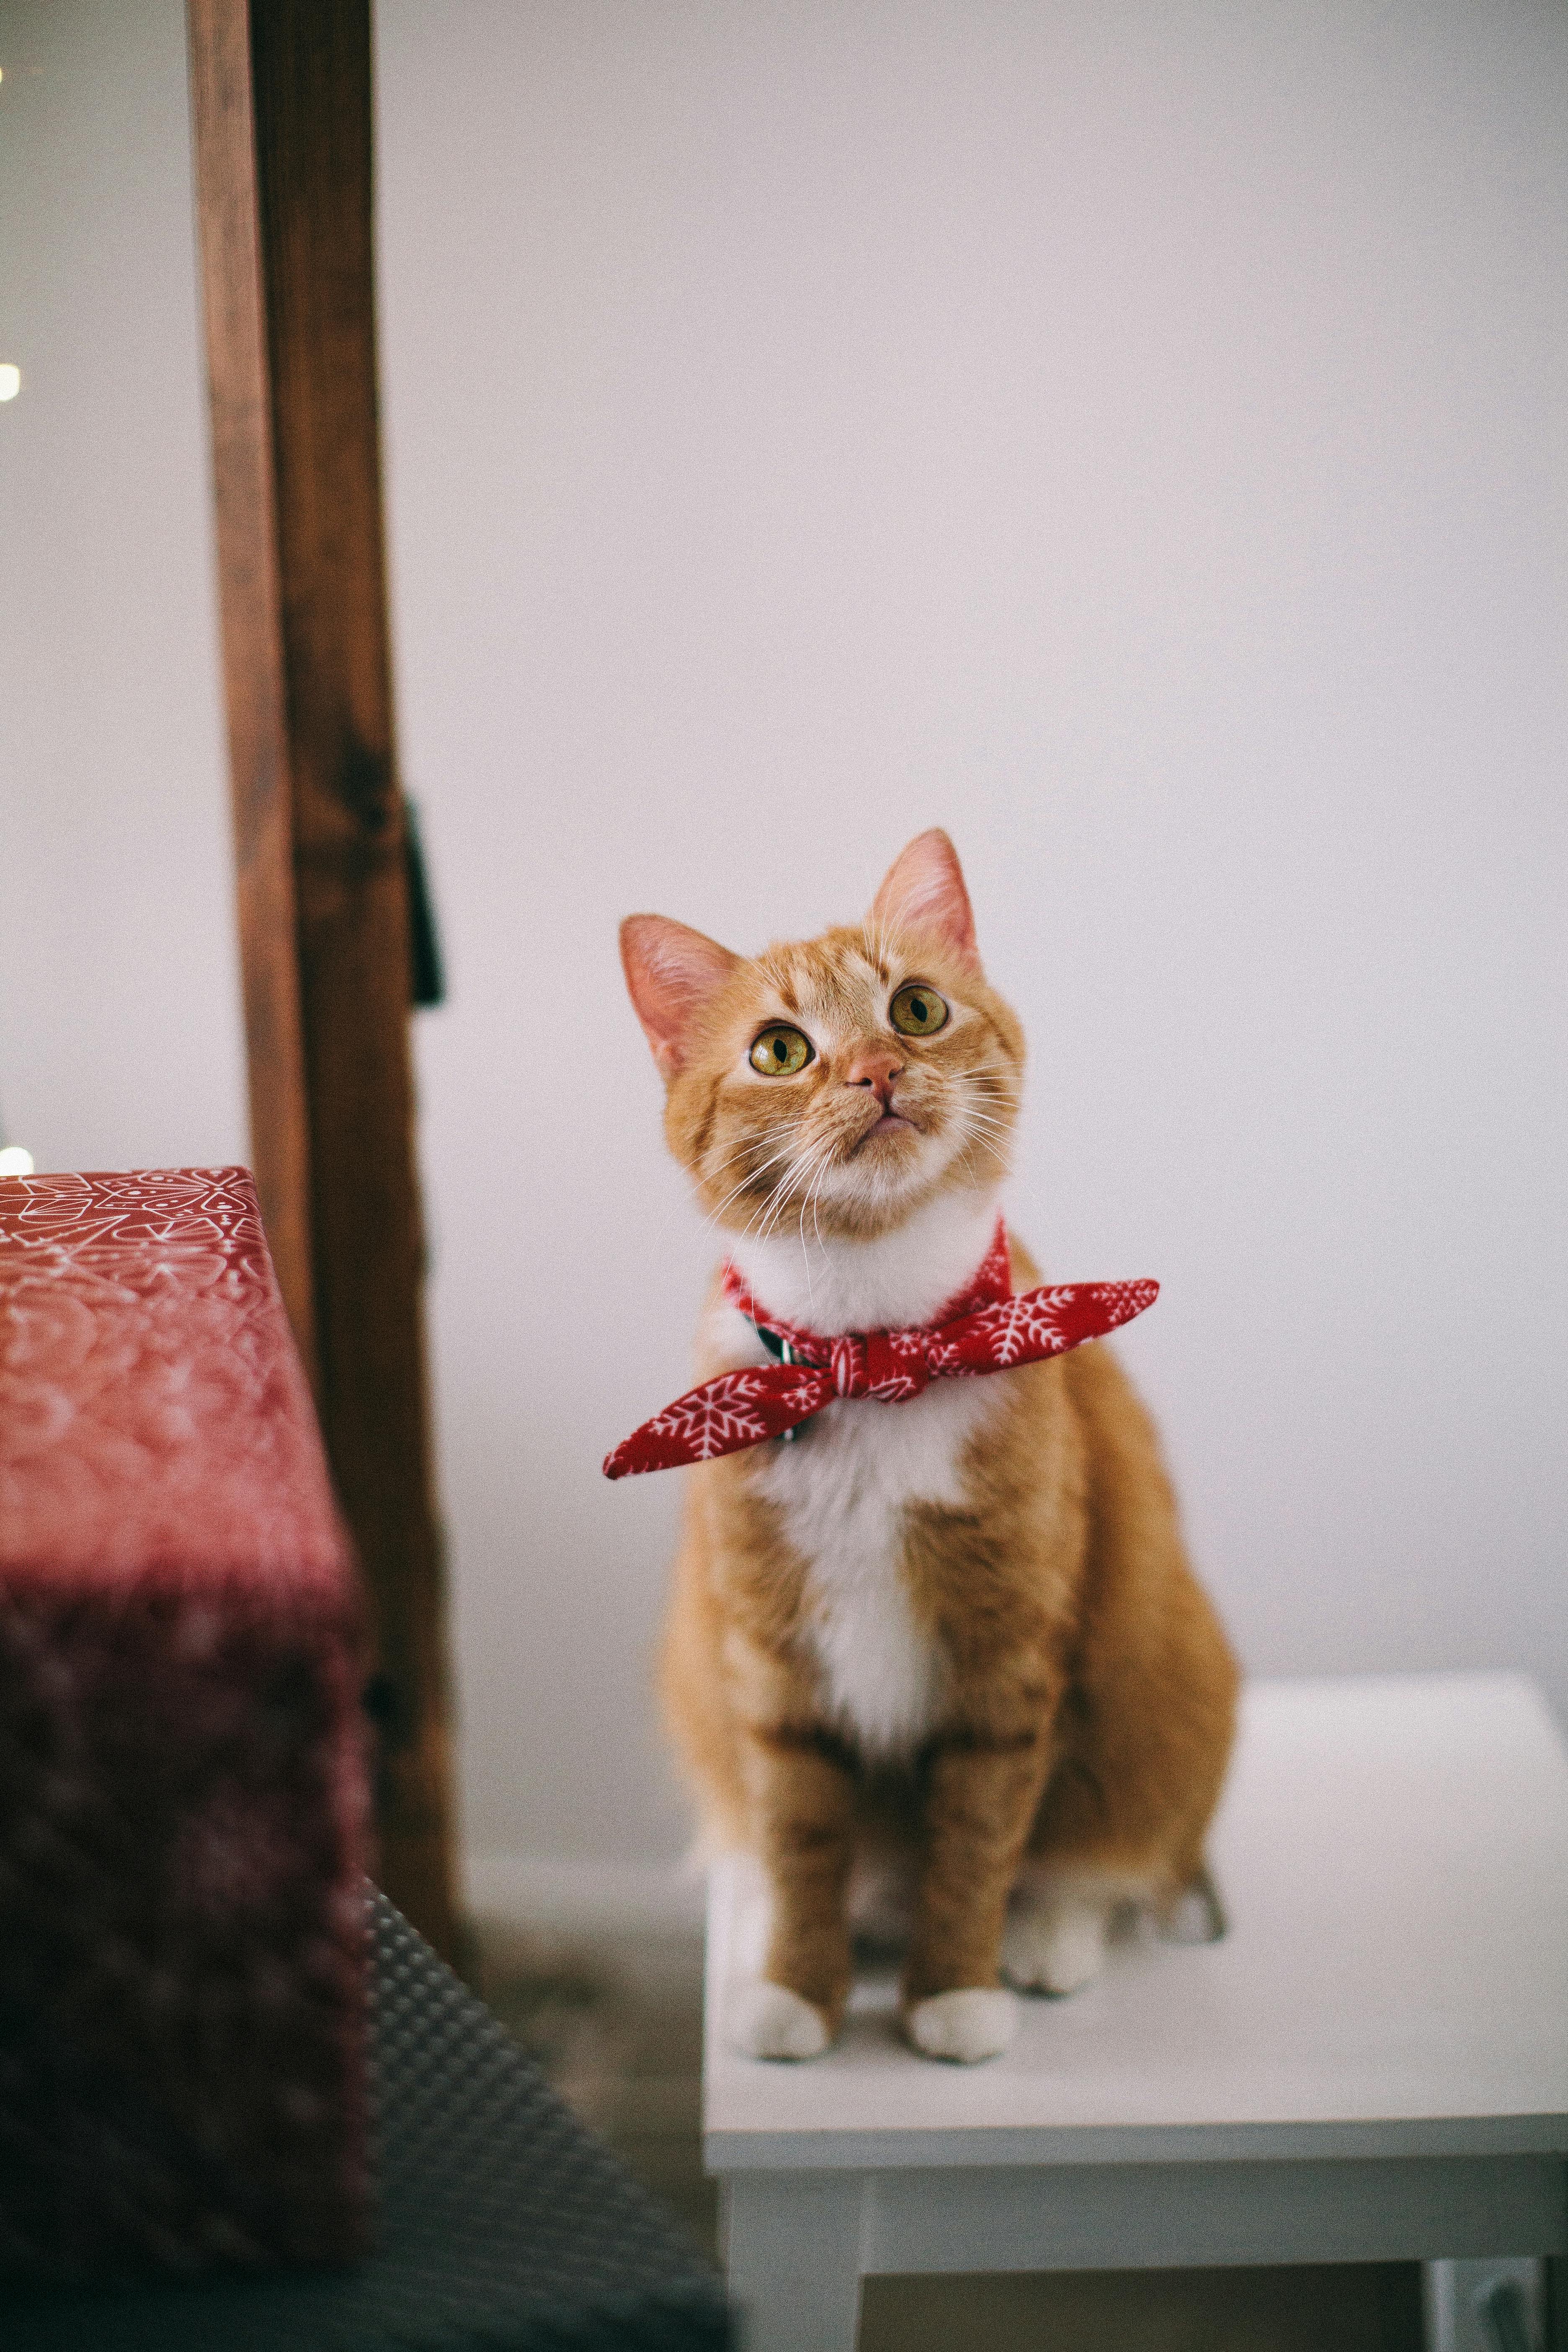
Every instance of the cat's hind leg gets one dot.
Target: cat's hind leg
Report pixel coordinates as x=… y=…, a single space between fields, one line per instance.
x=1058 y=1923
x=1056 y=1946
x=1195 y=1913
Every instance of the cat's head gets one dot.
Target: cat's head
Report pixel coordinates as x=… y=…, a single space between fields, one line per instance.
x=834 y=1086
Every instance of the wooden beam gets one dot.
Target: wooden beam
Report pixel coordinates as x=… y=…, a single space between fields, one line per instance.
x=251 y=615
x=281 y=106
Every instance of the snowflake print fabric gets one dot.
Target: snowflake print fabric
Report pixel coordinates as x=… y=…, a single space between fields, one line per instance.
x=986 y=1327
x=1035 y=1323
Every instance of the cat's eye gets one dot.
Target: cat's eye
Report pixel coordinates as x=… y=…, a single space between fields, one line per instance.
x=917 y=1010
x=781 y=1051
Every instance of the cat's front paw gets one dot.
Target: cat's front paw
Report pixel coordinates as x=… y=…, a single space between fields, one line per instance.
x=768 y=2021
x=1058 y=1949
x=965 y=2026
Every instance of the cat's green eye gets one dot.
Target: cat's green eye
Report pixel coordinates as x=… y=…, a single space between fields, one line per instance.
x=918 y=1011
x=781 y=1051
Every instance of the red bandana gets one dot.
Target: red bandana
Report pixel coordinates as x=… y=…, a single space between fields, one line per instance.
x=984 y=1328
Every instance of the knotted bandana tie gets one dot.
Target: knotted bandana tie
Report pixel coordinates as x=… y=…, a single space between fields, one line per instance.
x=985 y=1328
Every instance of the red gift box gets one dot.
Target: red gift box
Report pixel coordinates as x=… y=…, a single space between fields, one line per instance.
x=183 y=1784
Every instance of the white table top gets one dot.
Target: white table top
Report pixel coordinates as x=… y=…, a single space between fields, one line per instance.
x=1392 y=1854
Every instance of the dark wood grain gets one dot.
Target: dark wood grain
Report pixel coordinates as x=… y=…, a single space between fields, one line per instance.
x=282 y=107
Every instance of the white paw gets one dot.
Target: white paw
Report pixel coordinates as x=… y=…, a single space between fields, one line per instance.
x=768 y=2021
x=965 y=2026
x=1197 y=1916
x=1058 y=1949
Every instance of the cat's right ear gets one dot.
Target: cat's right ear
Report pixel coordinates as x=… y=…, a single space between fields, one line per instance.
x=673 y=974
x=924 y=889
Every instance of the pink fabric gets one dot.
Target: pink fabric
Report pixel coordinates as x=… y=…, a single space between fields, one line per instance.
x=986 y=1327
x=155 y=1421
x=182 y=1790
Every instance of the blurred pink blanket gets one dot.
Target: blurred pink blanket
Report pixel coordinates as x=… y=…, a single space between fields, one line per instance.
x=182 y=1807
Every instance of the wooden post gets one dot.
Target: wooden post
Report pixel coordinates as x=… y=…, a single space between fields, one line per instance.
x=281 y=109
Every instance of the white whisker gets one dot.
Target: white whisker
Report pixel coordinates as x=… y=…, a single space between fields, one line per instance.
x=750 y=1177
x=772 y=1208
x=779 y=1127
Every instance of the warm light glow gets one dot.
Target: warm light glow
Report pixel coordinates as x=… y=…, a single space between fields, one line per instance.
x=15 y=1162
x=10 y=381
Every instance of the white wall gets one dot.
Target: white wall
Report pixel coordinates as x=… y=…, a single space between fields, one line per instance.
x=1130 y=437
x=120 y=1036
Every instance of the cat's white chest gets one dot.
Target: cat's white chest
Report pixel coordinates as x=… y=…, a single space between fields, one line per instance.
x=844 y=1489
x=845 y=1486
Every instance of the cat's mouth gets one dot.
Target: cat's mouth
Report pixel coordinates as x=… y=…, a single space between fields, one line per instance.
x=892 y=1123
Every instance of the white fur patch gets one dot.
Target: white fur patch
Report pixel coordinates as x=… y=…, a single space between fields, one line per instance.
x=1196 y=1916
x=768 y=2021
x=834 y=1284
x=844 y=1489
x=963 y=2026
x=845 y=1485
x=1058 y=1948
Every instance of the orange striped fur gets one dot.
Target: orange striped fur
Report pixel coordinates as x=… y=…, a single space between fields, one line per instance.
x=952 y=1647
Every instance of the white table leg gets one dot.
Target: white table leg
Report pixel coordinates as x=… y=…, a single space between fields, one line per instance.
x=791 y=2246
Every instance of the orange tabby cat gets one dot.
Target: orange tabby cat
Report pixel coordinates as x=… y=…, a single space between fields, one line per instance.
x=956 y=1635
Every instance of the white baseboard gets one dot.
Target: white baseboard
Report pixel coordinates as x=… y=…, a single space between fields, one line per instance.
x=583 y=1897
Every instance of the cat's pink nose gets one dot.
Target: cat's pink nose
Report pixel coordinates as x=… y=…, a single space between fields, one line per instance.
x=877 y=1069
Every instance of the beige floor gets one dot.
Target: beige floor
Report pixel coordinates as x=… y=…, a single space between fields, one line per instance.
x=617 y=2022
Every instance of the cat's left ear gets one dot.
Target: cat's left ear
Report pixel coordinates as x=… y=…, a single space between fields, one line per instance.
x=673 y=974
x=923 y=891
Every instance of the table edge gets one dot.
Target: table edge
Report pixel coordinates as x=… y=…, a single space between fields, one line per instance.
x=730 y=2151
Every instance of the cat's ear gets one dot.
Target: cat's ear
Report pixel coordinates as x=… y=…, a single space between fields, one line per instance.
x=923 y=891
x=672 y=975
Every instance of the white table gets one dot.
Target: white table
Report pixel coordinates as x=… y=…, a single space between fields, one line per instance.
x=1372 y=2064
